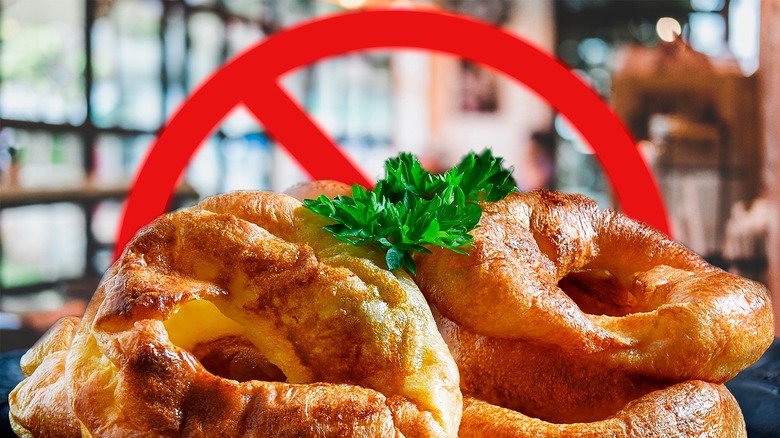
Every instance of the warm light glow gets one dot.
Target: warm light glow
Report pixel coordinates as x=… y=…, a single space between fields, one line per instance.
x=401 y=4
x=351 y=4
x=668 y=29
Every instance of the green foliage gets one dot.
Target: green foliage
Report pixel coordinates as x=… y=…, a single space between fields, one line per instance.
x=411 y=208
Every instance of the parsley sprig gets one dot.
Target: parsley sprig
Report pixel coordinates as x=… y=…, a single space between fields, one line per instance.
x=411 y=208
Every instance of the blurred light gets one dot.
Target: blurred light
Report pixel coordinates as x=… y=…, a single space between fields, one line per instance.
x=401 y=4
x=601 y=80
x=744 y=25
x=707 y=5
x=708 y=33
x=594 y=51
x=565 y=131
x=668 y=29
x=351 y=4
x=105 y=221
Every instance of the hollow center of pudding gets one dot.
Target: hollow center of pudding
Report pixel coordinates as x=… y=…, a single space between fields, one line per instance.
x=219 y=343
x=236 y=358
x=598 y=292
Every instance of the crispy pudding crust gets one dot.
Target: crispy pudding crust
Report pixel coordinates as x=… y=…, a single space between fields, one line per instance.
x=572 y=314
x=242 y=317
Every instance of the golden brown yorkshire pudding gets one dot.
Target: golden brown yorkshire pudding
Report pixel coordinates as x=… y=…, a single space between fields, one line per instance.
x=689 y=409
x=526 y=390
x=588 y=322
x=552 y=269
x=41 y=402
x=242 y=317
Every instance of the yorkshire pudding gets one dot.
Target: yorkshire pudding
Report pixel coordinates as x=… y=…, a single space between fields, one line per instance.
x=572 y=314
x=689 y=409
x=517 y=389
x=553 y=269
x=242 y=317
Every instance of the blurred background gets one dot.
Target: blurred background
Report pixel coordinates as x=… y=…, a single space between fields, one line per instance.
x=86 y=85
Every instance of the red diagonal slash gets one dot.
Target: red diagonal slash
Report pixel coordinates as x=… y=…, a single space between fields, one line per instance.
x=252 y=79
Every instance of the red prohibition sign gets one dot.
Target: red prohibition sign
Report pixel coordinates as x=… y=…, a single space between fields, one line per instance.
x=252 y=79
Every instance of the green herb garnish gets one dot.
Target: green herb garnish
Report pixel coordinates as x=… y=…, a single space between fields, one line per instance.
x=411 y=208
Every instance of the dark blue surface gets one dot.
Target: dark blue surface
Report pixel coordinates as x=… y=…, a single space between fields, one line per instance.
x=10 y=376
x=757 y=389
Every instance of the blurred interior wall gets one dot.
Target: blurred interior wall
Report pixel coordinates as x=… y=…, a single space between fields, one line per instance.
x=769 y=70
x=508 y=128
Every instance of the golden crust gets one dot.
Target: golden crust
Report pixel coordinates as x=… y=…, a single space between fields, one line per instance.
x=39 y=405
x=689 y=409
x=241 y=317
x=566 y=320
x=255 y=273
x=544 y=382
x=671 y=315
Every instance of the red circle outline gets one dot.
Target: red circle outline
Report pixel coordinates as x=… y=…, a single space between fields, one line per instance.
x=252 y=79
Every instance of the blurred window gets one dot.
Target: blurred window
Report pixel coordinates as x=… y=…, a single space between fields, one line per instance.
x=42 y=61
x=126 y=60
x=46 y=254
x=87 y=84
